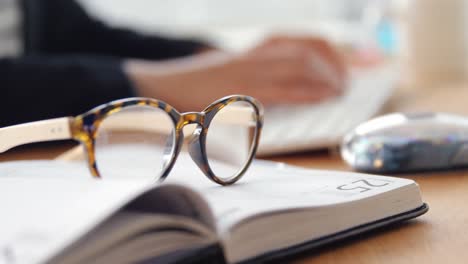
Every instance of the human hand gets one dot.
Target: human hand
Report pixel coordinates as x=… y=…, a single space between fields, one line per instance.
x=293 y=70
x=281 y=70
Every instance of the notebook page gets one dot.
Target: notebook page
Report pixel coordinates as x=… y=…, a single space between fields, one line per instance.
x=33 y=213
x=271 y=186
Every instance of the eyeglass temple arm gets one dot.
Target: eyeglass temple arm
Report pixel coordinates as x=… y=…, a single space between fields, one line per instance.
x=59 y=128
x=39 y=131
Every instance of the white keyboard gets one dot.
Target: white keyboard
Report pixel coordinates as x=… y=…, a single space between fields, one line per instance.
x=299 y=128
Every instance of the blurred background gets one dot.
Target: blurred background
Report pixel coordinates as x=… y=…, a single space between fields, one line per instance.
x=429 y=37
x=237 y=25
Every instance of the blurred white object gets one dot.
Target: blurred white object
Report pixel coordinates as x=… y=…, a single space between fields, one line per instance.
x=185 y=14
x=437 y=44
x=222 y=21
x=317 y=126
x=10 y=29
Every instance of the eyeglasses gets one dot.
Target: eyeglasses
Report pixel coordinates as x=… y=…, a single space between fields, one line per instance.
x=145 y=136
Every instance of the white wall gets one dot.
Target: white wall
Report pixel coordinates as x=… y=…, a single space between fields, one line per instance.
x=222 y=21
x=198 y=13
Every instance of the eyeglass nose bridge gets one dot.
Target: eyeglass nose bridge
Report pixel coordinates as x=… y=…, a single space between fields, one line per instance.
x=191 y=118
x=196 y=142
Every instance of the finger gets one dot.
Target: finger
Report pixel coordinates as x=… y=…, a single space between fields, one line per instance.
x=269 y=42
x=324 y=71
x=309 y=68
x=327 y=50
x=291 y=61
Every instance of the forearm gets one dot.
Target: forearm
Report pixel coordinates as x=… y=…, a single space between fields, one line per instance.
x=175 y=81
x=35 y=88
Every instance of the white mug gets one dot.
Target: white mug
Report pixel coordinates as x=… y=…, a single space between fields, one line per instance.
x=437 y=47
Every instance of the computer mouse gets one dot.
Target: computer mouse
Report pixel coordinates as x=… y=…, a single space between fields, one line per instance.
x=408 y=142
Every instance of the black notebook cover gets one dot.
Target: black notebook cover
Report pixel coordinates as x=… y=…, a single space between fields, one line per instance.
x=325 y=240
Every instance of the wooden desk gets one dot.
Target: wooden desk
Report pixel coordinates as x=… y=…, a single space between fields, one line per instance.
x=440 y=236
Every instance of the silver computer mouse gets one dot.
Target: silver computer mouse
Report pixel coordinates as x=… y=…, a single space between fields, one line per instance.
x=402 y=142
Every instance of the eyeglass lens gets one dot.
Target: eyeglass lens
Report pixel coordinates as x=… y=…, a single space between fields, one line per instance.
x=230 y=139
x=138 y=140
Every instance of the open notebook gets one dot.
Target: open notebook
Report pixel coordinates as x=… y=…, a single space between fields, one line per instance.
x=55 y=213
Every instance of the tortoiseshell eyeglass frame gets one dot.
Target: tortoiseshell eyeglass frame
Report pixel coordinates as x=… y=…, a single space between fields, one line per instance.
x=84 y=128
